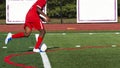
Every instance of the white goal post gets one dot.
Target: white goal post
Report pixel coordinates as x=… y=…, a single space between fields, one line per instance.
x=96 y=11
x=16 y=10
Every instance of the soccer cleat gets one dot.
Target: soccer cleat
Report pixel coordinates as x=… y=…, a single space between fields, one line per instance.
x=36 y=50
x=43 y=47
x=8 y=38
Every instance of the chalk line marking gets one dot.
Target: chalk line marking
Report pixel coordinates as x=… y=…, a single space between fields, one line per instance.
x=45 y=60
x=77 y=33
x=4 y=47
x=31 y=47
x=8 y=58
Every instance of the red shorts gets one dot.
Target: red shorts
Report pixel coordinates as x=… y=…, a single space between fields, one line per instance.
x=34 y=23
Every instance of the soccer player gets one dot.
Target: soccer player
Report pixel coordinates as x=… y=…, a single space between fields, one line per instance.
x=33 y=20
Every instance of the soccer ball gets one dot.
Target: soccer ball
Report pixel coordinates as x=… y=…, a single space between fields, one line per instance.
x=43 y=47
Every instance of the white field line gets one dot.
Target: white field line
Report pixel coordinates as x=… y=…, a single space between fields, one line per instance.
x=45 y=60
x=77 y=33
x=117 y=33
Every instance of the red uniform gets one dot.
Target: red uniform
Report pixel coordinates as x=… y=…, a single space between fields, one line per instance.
x=32 y=18
x=32 y=21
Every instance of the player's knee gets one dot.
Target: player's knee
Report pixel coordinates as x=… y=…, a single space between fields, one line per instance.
x=27 y=34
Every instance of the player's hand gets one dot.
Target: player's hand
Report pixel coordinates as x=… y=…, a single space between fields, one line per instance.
x=47 y=19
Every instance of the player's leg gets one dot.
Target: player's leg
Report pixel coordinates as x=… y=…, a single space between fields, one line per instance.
x=11 y=36
x=28 y=31
x=40 y=27
x=40 y=39
x=23 y=34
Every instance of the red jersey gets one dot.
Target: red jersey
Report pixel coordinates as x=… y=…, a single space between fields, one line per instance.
x=33 y=10
x=32 y=18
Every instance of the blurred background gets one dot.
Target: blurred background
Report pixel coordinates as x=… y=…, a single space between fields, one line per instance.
x=61 y=11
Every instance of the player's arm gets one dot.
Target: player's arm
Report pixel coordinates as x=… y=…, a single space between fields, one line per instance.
x=42 y=14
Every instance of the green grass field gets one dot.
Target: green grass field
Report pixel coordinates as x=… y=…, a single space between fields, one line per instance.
x=95 y=50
